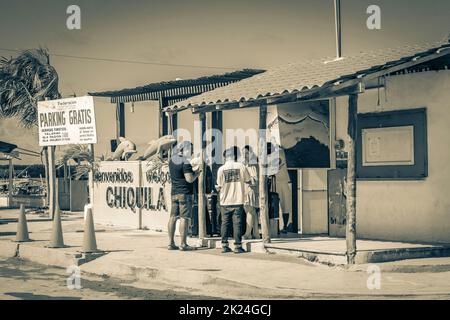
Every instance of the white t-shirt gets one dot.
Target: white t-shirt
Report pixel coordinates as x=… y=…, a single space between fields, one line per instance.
x=231 y=180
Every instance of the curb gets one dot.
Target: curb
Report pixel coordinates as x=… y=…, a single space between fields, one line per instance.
x=48 y=256
x=8 y=249
x=198 y=280
x=189 y=279
x=413 y=268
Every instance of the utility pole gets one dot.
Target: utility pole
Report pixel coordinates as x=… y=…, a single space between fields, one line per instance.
x=337 y=18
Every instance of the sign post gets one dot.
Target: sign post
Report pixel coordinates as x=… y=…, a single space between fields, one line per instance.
x=64 y=122
x=67 y=121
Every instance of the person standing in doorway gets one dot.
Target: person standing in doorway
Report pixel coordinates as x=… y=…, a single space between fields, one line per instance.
x=231 y=180
x=284 y=189
x=251 y=204
x=183 y=178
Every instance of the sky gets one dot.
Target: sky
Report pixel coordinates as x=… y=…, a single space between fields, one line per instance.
x=231 y=34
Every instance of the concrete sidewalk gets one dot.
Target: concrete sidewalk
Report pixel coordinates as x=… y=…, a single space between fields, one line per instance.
x=141 y=258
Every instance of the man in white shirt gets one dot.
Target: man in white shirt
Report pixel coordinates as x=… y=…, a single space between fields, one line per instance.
x=231 y=184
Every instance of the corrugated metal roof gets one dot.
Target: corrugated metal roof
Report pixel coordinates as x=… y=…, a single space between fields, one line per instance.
x=307 y=75
x=176 y=90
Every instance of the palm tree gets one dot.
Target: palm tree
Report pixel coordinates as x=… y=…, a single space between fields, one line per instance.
x=25 y=80
x=82 y=156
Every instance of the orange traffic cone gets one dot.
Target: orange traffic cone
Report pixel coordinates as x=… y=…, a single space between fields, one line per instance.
x=22 y=229
x=89 y=241
x=57 y=240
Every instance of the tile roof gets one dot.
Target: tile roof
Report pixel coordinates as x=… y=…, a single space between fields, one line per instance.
x=297 y=77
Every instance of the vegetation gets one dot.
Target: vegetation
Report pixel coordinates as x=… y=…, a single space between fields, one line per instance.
x=24 y=81
x=83 y=158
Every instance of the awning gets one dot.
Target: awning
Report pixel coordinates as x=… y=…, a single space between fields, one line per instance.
x=309 y=79
x=176 y=90
x=7 y=147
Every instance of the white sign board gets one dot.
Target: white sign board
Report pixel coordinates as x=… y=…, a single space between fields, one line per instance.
x=67 y=121
x=390 y=146
x=132 y=194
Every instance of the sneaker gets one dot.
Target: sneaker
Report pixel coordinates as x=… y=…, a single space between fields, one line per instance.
x=226 y=250
x=239 y=250
x=172 y=247
x=187 y=248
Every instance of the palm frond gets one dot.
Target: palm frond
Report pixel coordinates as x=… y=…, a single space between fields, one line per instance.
x=81 y=154
x=25 y=80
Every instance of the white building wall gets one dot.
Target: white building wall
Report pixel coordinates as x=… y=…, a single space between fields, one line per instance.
x=141 y=124
x=408 y=210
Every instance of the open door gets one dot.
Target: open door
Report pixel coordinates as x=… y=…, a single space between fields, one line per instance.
x=336 y=202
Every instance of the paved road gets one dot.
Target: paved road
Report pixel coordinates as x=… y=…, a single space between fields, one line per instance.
x=29 y=281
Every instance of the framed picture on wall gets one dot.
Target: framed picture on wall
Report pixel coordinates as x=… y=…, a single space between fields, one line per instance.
x=392 y=145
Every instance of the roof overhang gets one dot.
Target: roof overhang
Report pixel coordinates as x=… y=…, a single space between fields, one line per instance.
x=354 y=83
x=177 y=90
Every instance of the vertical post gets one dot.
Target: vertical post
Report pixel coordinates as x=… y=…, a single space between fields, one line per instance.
x=47 y=177
x=337 y=16
x=169 y=123
x=163 y=123
x=217 y=123
x=91 y=175
x=351 y=178
x=120 y=121
x=262 y=150
x=66 y=178
x=174 y=123
x=140 y=178
x=170 y=130
x=11 y=183
x=51 y=179
x=52 y=182
x=201 y=183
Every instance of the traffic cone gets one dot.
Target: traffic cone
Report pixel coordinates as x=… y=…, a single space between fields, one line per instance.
x=57 y=240
x=89 y=242
x=22 y=229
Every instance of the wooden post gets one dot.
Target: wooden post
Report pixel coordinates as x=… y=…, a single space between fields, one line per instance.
x=169 y=123
x=351 y=178
x=52 y=182
x=91 y=175
x=120 y=121
x=163 y=123
x=170 y=130
x=201 y=183
x=263 y=192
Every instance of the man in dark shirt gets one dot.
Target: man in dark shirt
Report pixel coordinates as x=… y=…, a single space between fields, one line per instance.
x=182 y=177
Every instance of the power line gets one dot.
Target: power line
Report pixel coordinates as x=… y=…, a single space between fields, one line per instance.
x=129 y=61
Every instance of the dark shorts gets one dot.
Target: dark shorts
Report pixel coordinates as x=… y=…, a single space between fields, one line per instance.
x=181 y=206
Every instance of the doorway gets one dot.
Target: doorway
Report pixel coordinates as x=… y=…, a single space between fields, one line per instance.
x=337 y=202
